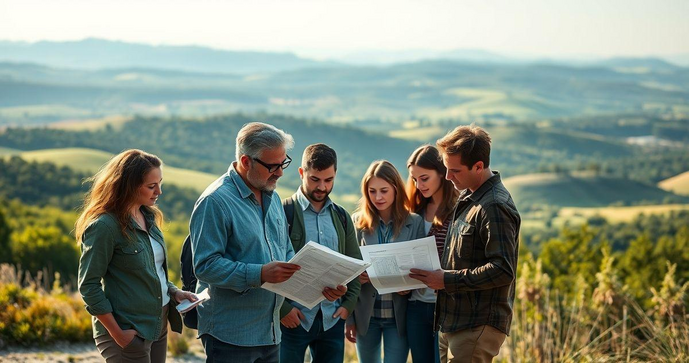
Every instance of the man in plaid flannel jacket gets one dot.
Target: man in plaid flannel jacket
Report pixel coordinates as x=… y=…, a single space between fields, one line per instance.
x=476 y=285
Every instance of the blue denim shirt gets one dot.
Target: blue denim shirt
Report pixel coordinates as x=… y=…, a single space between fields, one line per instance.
x=320 y=229
x=232 y=237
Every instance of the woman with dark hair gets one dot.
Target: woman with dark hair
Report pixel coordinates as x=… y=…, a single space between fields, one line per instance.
x=123 y=268
x=382 y=217
x=433 y=197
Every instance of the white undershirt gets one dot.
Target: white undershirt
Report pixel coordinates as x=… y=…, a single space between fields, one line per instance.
x=424 y=295
x=159 y=257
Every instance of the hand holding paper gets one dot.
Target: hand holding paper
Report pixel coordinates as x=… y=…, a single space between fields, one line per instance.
x=187 y=305
x=433 y=279
x=392 y=262
x=323 y=274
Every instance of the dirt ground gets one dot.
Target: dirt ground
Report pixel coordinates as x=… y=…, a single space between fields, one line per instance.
x=82 y=353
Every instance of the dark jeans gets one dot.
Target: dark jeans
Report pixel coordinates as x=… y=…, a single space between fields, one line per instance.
x=326 y=346
x=423 y=341
x=221 y=352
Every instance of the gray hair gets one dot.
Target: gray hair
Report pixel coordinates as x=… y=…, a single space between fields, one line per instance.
x=255 y=137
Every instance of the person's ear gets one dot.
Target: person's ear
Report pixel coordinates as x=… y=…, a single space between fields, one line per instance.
x=245 y=161
x=301 y=173
x=479 y=166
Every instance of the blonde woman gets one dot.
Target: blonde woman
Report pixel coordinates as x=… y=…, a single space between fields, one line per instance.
x=123 y=268
x=382 y=217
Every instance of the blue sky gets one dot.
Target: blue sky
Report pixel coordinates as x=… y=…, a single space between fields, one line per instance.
x=323 y=28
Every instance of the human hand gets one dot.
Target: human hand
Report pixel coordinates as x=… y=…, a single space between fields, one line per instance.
x=293 y=318
x=341 y=313
x=433 y=279
x=277 y=271
x=334 y=294
x=403 y=292
x=181 y=295
x=350 y=333
x=363 y=278
x=125 y=337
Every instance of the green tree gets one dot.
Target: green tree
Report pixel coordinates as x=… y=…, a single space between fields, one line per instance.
x=36 y=248
x=4 y=238
x=574 y=253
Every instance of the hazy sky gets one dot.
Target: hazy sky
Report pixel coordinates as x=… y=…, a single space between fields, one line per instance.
x=552 y=28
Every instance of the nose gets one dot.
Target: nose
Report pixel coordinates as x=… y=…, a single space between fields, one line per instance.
x=279 y=172
x=447 y=175
x=159 y=190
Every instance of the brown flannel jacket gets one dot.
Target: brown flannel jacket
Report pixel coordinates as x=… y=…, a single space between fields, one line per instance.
x=480 y=260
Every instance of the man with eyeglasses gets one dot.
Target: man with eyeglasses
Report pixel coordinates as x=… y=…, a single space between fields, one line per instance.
x=239 y=240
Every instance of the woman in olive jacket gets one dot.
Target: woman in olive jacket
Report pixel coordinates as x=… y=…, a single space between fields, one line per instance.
x=123 y=269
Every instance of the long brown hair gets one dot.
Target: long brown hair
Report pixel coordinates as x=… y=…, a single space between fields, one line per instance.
x=368 y=220
x=428 y=157
x=115 y=187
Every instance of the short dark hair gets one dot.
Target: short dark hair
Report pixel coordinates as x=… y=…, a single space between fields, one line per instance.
x=319 y=157
x=472 y=143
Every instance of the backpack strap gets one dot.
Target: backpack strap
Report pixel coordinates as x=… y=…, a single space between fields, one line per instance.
x=288 y=206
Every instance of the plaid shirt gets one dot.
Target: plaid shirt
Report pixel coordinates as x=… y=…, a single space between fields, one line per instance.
x=480 y=260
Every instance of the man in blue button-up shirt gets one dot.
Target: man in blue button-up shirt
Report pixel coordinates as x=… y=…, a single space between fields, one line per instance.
x=316 y=218
x=239 y=239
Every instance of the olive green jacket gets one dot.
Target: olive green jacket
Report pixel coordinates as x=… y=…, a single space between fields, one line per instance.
x=118 y=276
x=347 y=245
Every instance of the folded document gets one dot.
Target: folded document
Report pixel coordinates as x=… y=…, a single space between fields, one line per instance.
x=320 y=267
x=187 y=305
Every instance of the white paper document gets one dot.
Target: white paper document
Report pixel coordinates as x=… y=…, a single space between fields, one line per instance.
x=391 y=262
x=187 y=305
x=320 y=267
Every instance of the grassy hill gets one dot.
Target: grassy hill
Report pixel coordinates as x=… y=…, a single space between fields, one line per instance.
x=433 y=90
x=8 y=151
x=678 y=184
x=575 y=215
x=90 y=160
x=565 y=190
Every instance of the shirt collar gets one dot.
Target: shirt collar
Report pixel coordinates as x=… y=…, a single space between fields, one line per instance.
x=243 y=189
x=486 y=186
x=305 y=203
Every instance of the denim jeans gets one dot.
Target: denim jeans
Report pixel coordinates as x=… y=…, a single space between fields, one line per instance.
x=423 y=341
x=220 y=352
x=326 y=346
x=395 y=347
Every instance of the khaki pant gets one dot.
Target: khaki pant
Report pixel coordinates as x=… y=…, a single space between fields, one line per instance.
x=139 y=350
x=477 y=344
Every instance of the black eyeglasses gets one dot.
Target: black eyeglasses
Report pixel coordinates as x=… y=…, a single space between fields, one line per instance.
x=274 y=167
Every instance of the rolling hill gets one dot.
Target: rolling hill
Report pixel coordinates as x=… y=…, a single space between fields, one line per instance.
x=583 y=190
x=434 y=90
x=678 y=184
x=90 y=160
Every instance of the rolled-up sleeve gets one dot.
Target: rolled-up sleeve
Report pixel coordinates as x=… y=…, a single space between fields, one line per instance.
x=498 y=228
x=97 y=248
x=210 y=229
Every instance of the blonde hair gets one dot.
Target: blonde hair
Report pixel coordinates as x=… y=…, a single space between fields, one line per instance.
x=428 y=157
x=115 y=187
x=368 y=219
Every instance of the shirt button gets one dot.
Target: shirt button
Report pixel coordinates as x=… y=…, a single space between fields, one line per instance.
x=135 y=251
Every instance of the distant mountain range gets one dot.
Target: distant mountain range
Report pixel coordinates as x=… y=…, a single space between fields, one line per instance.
x=425 y=90
x=95 y=53
x=99 y=54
